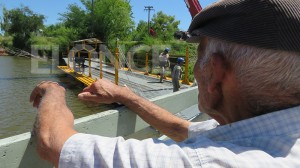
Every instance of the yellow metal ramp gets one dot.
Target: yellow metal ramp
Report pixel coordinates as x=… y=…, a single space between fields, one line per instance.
x=78 y=75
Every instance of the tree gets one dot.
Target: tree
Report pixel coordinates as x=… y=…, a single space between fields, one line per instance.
x=61 y=35
x=5 y=41
x=141 y=31
x=111 y=19
x=164 y=25
x=105 y=19
x=20 y=23
x=77 y=19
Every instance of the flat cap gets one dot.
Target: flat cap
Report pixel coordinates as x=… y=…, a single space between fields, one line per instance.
x=270 y=24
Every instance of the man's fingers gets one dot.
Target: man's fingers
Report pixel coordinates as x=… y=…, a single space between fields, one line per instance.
x=38 y=92
x=41 y=83
x=34 y=94
x=87 y=89
x=88 y=96
x=36 y=102
x=92 y=87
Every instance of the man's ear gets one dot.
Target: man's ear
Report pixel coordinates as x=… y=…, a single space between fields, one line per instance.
x=218 y=71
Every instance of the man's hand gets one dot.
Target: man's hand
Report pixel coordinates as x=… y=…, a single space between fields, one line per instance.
x=54 y=122
x=45 y=86
x=102 y=91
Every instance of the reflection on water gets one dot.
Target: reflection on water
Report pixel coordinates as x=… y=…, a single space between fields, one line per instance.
x=16 y=83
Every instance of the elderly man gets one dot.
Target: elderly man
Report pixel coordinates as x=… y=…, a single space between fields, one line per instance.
x=248 y=77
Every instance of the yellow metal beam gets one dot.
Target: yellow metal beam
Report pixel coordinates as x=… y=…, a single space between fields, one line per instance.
x=186 y=73
x=79 y=76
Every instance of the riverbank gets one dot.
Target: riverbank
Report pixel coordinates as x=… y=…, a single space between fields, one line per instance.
x=3 y=52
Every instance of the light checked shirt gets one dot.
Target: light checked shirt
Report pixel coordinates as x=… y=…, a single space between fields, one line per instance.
x=267 y=141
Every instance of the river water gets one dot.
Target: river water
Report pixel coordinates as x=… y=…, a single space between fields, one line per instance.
x=16 y=83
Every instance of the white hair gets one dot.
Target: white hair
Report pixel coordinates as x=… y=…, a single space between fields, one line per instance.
x=268 y=80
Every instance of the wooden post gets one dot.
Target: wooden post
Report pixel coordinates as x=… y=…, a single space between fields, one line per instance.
x=186 y=70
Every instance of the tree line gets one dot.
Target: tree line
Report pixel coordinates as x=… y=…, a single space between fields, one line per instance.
x=106 y=20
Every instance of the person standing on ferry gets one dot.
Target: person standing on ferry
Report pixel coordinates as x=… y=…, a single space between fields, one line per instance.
x=163 y=63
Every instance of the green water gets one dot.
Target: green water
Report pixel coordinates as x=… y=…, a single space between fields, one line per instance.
x=16 y=83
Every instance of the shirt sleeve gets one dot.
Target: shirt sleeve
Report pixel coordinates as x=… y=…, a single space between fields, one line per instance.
x=197 y=128
x=84 y=150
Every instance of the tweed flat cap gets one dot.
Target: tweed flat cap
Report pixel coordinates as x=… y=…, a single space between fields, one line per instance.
x=270 y=24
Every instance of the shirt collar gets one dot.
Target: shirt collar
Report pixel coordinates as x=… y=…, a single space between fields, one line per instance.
x=272 y=124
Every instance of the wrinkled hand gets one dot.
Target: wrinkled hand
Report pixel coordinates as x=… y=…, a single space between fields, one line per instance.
x=102 y=91
x=40 y=90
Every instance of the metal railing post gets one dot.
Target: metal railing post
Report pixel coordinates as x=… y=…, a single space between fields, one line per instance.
x=90 y=64
x=68 y=51
x=100 y=66
x=117 y=66
x=186 y=70
x=78 y=59
x=83 y=45
x=73 y=57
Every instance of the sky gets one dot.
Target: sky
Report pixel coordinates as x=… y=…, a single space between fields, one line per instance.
x=51 y=9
